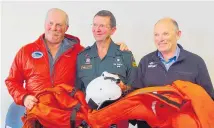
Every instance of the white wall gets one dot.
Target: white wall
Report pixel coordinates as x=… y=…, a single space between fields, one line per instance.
x=22 y=22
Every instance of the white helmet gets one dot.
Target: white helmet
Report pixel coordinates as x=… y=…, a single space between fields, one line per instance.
x=102 y=89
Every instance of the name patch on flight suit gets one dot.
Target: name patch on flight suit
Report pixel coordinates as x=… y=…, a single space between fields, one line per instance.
x=86 y=66
x=118 y=62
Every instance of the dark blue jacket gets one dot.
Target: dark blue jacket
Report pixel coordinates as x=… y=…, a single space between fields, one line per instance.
x=188 y=67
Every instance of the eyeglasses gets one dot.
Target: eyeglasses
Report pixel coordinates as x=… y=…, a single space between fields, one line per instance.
x=101 y=26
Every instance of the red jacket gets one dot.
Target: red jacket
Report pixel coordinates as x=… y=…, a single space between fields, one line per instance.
x=35 y=73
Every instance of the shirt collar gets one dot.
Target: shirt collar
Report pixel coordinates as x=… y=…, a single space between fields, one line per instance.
x=175 y=57
x=111 y=50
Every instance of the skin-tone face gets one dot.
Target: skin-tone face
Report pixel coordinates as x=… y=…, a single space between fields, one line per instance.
x=55 y=26
x=166 y=36
x=101 y=28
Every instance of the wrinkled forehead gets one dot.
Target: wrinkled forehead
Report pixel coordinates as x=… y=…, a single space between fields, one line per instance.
x=165 y=25
x=56 y=16
x=101 y=19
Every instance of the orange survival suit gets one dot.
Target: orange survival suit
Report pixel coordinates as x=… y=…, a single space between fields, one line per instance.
x=60 y=107
x=180 y=105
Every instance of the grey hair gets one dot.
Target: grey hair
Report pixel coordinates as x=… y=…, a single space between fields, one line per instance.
x=66 y=15
x=109 y=14
x=174 y=22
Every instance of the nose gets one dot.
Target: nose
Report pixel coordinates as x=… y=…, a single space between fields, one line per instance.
x=96 y=29
x=160 y=38
x=53 y=27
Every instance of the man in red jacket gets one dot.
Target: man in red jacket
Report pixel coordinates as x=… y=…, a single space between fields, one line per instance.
x=45 y=63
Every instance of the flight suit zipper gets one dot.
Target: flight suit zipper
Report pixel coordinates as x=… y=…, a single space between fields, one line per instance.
x=54 y=66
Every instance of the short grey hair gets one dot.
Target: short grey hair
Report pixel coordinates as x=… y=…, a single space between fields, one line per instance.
x=174 y=22
x=66 y=15
x=109 y=14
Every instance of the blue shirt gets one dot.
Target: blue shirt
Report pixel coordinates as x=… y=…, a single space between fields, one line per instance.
x=172 y=60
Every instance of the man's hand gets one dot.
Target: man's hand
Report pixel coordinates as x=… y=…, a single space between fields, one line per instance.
x=122 y=86
x=79 y=95
x=30 y=101
x=123 y=46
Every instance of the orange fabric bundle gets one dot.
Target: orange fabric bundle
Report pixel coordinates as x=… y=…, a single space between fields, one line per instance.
x=55 y=107
x=180 y=105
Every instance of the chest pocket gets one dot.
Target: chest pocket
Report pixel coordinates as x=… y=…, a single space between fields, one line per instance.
x=86 y=70
x=86 y=76
x=154 y=74
x=38 y=70
x=119 y=68
x=185 y=75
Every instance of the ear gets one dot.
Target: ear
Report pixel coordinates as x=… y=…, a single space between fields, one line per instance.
x=178 y=35
x=66 y=28
x=113 y=30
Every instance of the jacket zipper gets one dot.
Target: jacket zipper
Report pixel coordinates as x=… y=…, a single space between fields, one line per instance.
x=52 y=75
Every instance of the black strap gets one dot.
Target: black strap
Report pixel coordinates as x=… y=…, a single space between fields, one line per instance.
x=92 y=104
x=113 y=79
x=167 y=100
x=113 y=126
x=38 y=124
x=74 y=90
x=74 y=114
x=84 y=124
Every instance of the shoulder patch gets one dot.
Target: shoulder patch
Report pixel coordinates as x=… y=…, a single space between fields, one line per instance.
x=129 y=57
x=133 y=62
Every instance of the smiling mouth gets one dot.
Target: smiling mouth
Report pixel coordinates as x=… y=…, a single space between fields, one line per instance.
x=98 y=35
x=160 y=44
x=54 y=33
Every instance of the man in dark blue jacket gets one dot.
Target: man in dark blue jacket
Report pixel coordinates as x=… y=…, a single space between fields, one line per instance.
x=171 y=62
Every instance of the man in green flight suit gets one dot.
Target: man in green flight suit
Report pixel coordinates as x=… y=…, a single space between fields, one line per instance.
x=105 y=55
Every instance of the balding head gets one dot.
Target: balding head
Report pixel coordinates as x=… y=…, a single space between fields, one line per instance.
x=166 y=35
x=56 y=24
x=57 y=11
x=169 y=21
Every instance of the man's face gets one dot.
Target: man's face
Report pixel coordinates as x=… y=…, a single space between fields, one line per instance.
x=55 y=27
x=166 y=36
x=101 y=28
